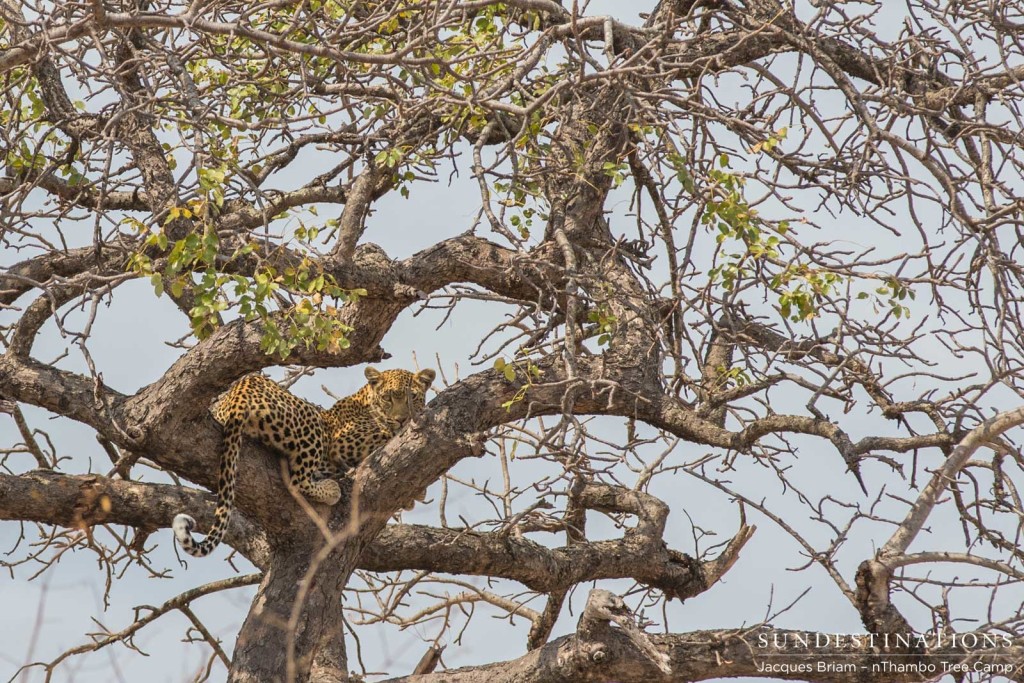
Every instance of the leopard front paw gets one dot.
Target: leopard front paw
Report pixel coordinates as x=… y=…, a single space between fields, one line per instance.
x=329 y=493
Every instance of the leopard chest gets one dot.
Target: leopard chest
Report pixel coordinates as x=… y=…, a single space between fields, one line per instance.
x=356 y=436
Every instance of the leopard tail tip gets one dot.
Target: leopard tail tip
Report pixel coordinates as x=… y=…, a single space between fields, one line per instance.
x=182 y=526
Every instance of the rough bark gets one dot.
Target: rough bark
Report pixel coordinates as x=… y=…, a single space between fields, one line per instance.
x=701 y=326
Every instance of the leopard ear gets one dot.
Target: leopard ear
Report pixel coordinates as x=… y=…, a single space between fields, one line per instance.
x=372 y=375
x=425 y=378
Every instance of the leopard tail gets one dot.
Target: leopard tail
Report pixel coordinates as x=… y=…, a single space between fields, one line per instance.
x=184 y=524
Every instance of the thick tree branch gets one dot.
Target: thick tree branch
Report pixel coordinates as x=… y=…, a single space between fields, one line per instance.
x=82 y=501
x=68 y=394
x=83 y=195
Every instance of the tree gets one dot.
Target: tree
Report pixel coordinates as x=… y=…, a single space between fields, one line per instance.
x=772 y=250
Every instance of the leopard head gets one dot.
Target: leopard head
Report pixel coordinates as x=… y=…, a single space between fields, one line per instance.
x=399 y=394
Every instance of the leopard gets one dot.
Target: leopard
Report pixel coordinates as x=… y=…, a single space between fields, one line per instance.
x=319 y=445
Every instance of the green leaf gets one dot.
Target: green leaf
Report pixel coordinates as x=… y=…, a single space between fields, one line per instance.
x=158 y=283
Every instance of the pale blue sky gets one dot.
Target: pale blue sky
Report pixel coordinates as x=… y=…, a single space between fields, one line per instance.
x=128 y=345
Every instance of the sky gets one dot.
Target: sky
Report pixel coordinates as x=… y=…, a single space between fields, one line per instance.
x=46 y=615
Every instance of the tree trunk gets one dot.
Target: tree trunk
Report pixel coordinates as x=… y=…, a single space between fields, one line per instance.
x=294 y=629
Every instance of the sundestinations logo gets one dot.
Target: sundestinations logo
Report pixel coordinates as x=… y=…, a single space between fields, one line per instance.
x=930 y=654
